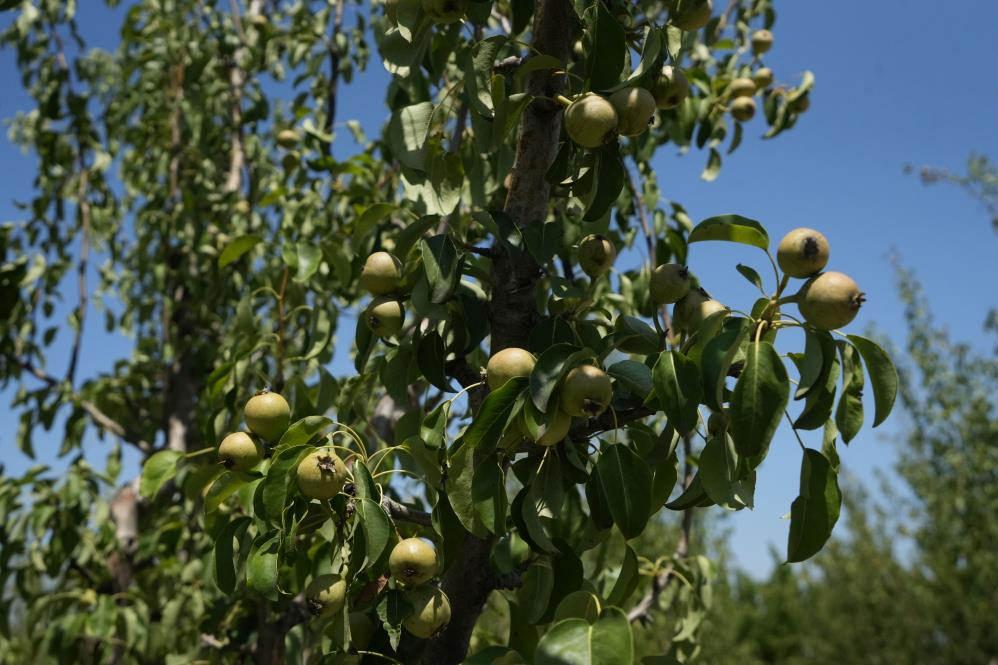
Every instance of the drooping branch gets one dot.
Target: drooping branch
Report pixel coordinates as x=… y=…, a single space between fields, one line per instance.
x=404 y=513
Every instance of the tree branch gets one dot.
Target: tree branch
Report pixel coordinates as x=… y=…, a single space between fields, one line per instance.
x=404 y=513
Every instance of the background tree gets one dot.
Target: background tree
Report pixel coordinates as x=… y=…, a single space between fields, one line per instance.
x=232 y=243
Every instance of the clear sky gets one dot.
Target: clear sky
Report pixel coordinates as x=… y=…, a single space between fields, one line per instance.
x=898 y=81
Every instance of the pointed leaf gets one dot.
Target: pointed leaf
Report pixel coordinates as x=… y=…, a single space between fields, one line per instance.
x=815 y=511
x=758 y=400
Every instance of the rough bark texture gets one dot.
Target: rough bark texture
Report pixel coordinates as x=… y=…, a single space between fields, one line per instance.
x=513 y=311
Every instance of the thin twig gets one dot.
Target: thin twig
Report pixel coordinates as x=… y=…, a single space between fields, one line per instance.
x=404 y=513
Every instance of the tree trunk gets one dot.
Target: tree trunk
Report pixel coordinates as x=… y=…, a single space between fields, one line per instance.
x=513 y=311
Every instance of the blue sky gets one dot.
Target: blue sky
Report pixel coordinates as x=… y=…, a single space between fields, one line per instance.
x=898 y=81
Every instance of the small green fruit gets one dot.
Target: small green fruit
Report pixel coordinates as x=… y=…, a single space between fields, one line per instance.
x=830 y=300
x=413 y=562
x=381 y=274
x=743 y=108
x=267 y=414
x=762 y=41
x=507 y=364
x=242 y=207
x=802 y=252
x=691 y=15
x=741 y=87
x=443 y=12
x=385 y=316
x=763 y=78
x=671 y=88
x=239 y=452
x=669 y=283
x=291 y=162
x=321 y=475
x=430 y=611
x=556 y=430
x=586 y=392
x=591 y=121
x=635 y=108
x=326 y=594
x=596 y=255
x=694 y=309
x=288 y=138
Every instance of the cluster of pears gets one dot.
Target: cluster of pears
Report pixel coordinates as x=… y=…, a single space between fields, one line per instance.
x=413 y=563
x=827 y=301
x=381 y=276
x=267 y=416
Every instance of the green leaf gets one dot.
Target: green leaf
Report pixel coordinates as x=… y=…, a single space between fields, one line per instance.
x=575 y=642
x=606 y=58
x=625 y=481
x=712 y=169
x=157 y=471
x=377 y=529
x=442 y=266
x=309 y=257
x=430 y=358
x=692 y=496
x=816 y=510
x=731 y=228
x=272 y=493
x=578 y=605
x=627 y=579
x=678 y=388
x=632 y=335
x=261 y=567
x=849 y=413
x=550 y=368
x=883 y=376
x=719 y=474
x=407 y=132
x=433 y=428
x=750 y=274
x=716 y=358
x=609 y=178
x=372 y=216
x=490 y=421
x=758 y=400
x=476 y=491
x=363 y=482
x=635 y=377
x=819 y=354
x=236 y=248
x=821 y=399
x=535 y=594
x=222 y=556
x=225 y=486
x=302 y=431
x=478 y=74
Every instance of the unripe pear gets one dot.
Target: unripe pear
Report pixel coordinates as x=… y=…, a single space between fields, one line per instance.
x=444 y=12
x=668 y=283
x=238 y=451
x=385 y=316
x=381 y=274
x=288 y=138
x=671 y=88
x=430 y=611
x=326 y=594
x=694 y=309
x=506 y=364
x=413 y=562
x=762 y=41
x=635 y=108
x=242 y=207
x=743 y=108
x=591 y=121
x=763 y=78
x=267 y=415
x=802 y=252
x=596 y=255
x=321 y=475
x=691 y=15
x=830 y=300
x=556 y=431
x=741 y=87
x=586 y=392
